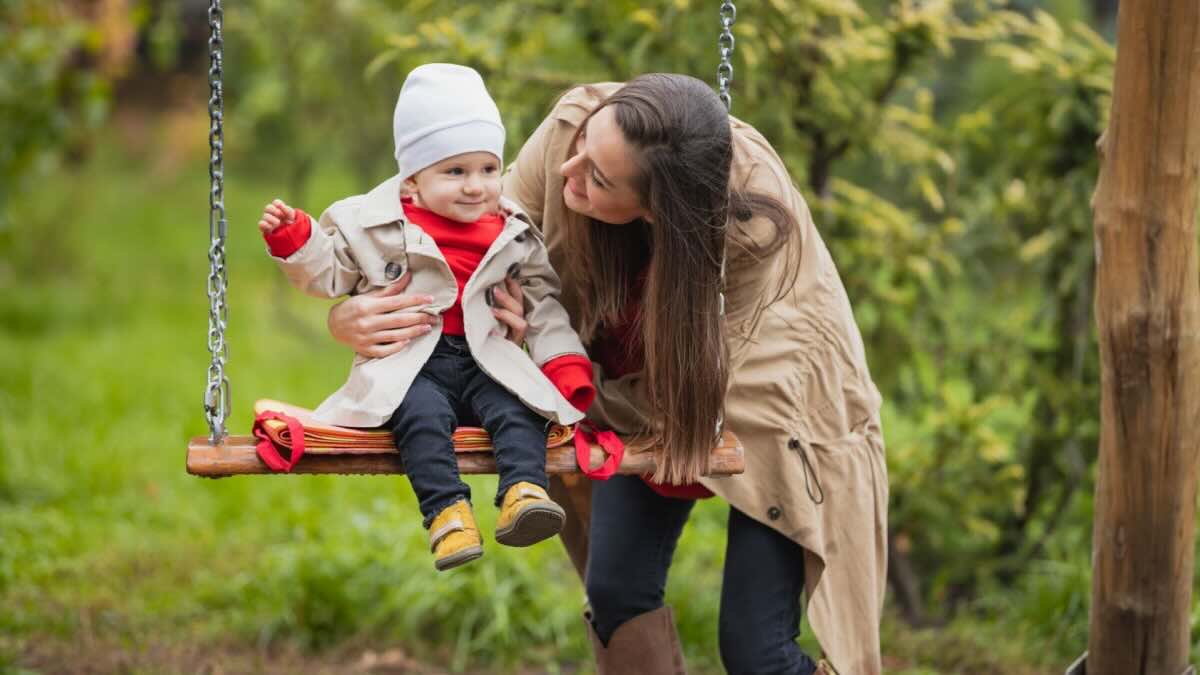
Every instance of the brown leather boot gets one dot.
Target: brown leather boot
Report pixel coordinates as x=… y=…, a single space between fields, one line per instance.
x=647 y=644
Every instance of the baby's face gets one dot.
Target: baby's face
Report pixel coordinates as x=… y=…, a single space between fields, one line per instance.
x=463 y=187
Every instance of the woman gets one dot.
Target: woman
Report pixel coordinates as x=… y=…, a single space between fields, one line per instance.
x=644 y=192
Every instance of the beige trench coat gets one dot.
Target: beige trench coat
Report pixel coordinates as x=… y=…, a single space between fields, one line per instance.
x=364 y=242
x=801 y=398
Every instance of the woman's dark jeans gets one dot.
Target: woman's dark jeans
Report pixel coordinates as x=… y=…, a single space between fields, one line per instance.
x=451 y=391
x=633 y=536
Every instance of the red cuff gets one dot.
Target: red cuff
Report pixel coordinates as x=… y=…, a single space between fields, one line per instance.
x=286 y=239
x=572 y=374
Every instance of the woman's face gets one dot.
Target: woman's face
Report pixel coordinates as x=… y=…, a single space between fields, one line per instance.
x=600 y=173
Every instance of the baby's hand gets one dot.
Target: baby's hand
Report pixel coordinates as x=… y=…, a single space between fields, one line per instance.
x=275 y=214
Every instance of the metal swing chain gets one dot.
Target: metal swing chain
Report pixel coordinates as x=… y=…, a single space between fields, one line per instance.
x=216 y=394
x=725 y=43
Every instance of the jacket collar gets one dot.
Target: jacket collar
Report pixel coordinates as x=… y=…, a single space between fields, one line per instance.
x=382 y=205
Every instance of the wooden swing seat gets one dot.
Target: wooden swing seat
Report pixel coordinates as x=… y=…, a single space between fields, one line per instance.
x=340 y=450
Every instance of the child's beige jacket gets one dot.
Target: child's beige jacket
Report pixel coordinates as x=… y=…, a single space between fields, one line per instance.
x=364 y=242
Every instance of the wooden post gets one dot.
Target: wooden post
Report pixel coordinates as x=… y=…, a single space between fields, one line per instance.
x=1148 y=315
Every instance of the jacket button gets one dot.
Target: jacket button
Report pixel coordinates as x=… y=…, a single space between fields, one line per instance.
x=520 y=238
x=773 y=513
x=794 y=444
x=489 y=296
x=392 y=270
x=514 y=270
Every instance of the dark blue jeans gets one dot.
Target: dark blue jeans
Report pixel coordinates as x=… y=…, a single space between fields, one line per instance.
x=451 y=391
x=633 y=536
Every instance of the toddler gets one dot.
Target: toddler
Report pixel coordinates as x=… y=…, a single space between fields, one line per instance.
x=442 y=220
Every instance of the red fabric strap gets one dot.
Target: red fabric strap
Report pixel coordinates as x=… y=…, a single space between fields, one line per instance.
x=288 y=238
x=266 y=449
x=586 y=432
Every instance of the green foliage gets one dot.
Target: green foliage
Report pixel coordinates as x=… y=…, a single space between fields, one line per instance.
x=1020 y=313
x=47 y=102
x=305 y=100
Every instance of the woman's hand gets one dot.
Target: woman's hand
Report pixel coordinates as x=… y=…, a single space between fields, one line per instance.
x=380 y=323
x=510 y=309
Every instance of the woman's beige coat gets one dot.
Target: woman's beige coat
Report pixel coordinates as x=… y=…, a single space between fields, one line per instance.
x=364 y=242
x=800 y=399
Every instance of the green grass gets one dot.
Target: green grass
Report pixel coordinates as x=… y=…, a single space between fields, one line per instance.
x=107 y=546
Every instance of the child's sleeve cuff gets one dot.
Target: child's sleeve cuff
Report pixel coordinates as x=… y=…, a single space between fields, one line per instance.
x=285 y=240
x=572 y=375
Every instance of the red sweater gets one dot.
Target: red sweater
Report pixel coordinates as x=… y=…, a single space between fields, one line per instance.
x=620 y=351
x=463 y=245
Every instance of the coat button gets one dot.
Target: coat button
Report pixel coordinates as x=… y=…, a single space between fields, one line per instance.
x=773 y=513
x=514 y=270
x=489 y=296
x=794 y=444
x=392 y=270
x=520 y=238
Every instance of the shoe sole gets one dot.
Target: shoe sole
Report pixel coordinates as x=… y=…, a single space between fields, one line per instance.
x=461 y=558
x=533 y=524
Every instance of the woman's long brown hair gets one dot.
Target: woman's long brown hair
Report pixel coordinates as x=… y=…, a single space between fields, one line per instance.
x=683 y=150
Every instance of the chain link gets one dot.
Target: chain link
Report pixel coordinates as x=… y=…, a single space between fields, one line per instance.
x=725 y=43
x=216 y=394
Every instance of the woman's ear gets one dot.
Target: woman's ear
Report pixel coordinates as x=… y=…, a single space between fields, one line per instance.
x=409 y=186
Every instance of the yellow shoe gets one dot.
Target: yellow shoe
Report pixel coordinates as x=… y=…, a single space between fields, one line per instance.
x=527 y=516
x=454 y=536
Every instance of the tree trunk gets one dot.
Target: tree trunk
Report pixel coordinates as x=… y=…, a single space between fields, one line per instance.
x=1148 y=315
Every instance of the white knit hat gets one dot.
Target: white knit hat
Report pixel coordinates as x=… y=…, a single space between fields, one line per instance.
x=444 y=110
